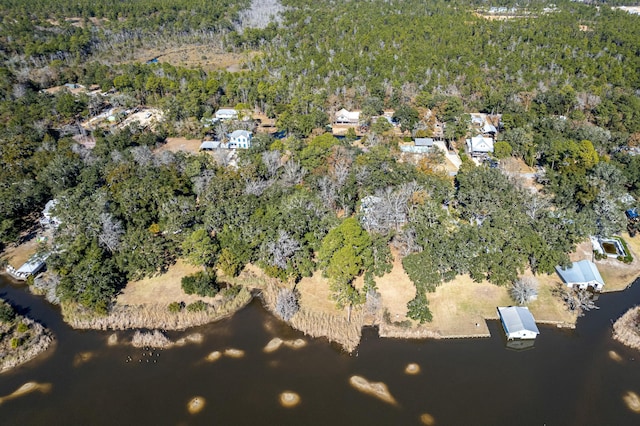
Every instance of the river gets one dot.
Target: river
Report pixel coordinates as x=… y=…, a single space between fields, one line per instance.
x=567 y=378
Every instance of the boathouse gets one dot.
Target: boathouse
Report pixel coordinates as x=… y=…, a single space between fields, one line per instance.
x=518 y=322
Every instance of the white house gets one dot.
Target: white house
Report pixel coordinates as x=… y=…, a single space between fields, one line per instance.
x=35 y=264
x=226 y=114
x=240 y=139
x=582 y=274
x=346 y=117
x=480 y=145
x=518 y=322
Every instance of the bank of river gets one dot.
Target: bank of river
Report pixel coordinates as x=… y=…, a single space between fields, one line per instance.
x=570 y=377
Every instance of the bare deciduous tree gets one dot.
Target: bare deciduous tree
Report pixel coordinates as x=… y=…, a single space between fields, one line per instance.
x=576 y=300
x=524 y=290
x=257 y=187
x=282 y=249
x=292 y=173
x=142 y=155
x=327 y=192
x=271 y=160
x=112 y=230
x=287 y=304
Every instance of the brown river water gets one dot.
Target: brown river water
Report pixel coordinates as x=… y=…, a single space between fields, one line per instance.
x=568 y=378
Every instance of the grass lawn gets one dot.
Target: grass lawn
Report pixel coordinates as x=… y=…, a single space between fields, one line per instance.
x=16 y=256
x=161 y=289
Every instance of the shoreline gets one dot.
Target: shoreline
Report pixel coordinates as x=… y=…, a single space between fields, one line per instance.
x=319 y=318
x=23 y=340
x=626 y=329
x=153 y=316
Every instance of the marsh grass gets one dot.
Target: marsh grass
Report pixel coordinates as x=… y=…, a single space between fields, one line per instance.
x=626 y=329
x=335 y=328
x=152 y=316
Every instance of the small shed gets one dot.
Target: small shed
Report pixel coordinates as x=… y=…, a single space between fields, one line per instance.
x=426 y=142
x=582 y=274
x=210 y=145
x=518 y=323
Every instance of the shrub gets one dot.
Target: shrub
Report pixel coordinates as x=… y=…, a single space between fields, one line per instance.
x=22 y=327
x=197 y=306
x=201 y=283
x=418 y=309
x=175 y=307
x=7 y=314
x=231 y=292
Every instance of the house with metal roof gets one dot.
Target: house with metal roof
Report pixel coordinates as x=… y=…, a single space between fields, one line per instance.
x=518 y=322
x=582 y=274
x=347 y=117
x=35 y=264
x=226 y=114
x=48 y=219
x=479 y=145
x=211 y=145
x=240 y=139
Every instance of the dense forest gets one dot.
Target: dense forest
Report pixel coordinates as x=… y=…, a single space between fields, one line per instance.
x=564 y=77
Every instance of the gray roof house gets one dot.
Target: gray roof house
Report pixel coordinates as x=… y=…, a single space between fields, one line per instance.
x=226 y=114
x=35 y=264
x=518 y=323
x=480 y=145
x=211 y=145
x=582 y=274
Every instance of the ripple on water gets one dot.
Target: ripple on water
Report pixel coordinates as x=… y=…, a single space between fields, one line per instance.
x=81 y=358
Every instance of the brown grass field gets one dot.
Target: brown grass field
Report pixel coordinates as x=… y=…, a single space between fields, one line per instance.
x=161 y=289
x=207 y=57
x=180 y=144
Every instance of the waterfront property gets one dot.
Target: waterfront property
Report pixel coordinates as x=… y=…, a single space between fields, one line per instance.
x=35 y=264
x=518 y=323
x=582 y=274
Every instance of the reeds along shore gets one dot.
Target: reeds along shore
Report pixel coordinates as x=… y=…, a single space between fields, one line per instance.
x=627 y=329
x=124 y=317
x=39 y=339
x=316 y=324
